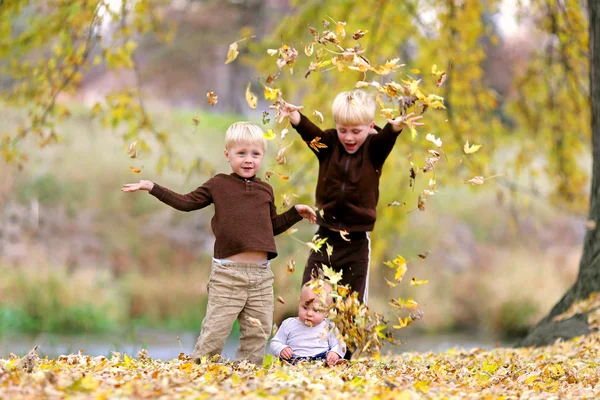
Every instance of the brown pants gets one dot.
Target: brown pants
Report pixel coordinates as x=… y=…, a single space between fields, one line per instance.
x=243 y=292
x=352 y=258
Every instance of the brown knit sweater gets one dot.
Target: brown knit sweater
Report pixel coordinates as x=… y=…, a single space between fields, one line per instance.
x=245 y=216
x=348 y=185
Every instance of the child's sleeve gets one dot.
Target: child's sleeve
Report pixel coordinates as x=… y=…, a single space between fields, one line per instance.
x=283 y=222
x=309 y=132
x=199 y=198
x=336 y=344
x=279 y=341
x=382 y=144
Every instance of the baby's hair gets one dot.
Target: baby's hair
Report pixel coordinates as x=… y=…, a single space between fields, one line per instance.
x=355 y=107
x=245 y=132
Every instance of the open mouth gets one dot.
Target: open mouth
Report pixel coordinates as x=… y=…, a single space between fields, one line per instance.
x=350 y=146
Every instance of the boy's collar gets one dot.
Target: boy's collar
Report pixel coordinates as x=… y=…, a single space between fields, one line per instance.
x=252 y=178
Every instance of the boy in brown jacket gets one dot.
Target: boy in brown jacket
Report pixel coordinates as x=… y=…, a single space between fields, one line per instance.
x=348 y=184
x=240 y=285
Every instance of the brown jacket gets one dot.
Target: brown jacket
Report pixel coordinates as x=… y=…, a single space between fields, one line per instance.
x=245 y=215
x=348 y=184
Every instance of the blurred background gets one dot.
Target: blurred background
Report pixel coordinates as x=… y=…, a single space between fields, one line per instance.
x=85 y=266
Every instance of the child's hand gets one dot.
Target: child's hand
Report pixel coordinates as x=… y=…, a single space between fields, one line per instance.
x=134 y=187
x=286 y=353
x=405 y=122
x=332 y=358
x=306 y=212
x=287 y=110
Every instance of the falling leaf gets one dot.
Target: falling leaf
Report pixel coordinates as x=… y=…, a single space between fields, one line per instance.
x=359 y=34
x=396 y=203
x=399 y=263
x=232 y=53
x=471 y=149
x=196 y=120
x=286 y=199
x=389 y=67
x=131 y=150
x=268 y=175
x=280 y=156
x=432 y=183
x=308 y=49
x=135 y=170
x=269 y=134
x=280 y=299
x=432 y=139
x=361 y=84
x=413 y=176
x=344 y=234
x=415 y=282
x=265 y=120
x=212 y=98
x=319 y=115
x=415 y=71
x=424 y=255
x=290 y=267
x=316 y=144
x=272 y=52
x=329 y=249
x=271 y=94
x=441 y=79
x=476 y=181
x=390 y=284
x=283 y=133
x=427 y=192
x=272 y=77
x=250 y=97
x=388 y=113
x=339 y=29
x=421 y=202
x=284 y=177
x=332 y=276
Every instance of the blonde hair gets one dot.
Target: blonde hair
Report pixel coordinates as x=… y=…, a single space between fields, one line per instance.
x=355 y=107
x=245 y=132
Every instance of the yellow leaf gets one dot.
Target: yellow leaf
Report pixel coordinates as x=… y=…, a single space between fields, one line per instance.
x=331 y=275
x=415 y=71
x=232 y=53
x=269 y=134
x=390 y=283
x=319 y=115
x=471 y=149
x=272 y=52
x=271 y=94
x=339 y=29
x=135 y=170
x=250 y=97
x=421 y=386
x=308 y=49
x=415 y=282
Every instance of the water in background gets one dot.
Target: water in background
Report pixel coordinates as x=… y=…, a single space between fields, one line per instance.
x=167 y=345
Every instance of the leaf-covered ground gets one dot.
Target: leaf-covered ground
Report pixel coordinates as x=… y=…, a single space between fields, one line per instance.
x=565 y=370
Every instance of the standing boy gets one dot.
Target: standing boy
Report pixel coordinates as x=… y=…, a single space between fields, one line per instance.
x=240 y=285
x=348 y=185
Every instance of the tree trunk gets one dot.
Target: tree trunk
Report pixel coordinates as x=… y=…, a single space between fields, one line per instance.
x=588 y=280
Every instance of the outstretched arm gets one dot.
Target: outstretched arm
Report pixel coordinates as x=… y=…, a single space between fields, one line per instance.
x=195 y=200
x=383 y=142
x=285 y=221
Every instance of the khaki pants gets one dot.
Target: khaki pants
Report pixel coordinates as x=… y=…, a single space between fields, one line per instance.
x=237 y=291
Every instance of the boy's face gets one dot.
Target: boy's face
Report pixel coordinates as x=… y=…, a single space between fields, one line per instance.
x=311 y=311
x=353 y=136
x=245 y=158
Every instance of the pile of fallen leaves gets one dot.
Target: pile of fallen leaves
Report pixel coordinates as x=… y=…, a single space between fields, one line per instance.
x=565 y=370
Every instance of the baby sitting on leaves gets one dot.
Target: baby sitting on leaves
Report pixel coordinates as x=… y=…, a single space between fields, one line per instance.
x=310 y=336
